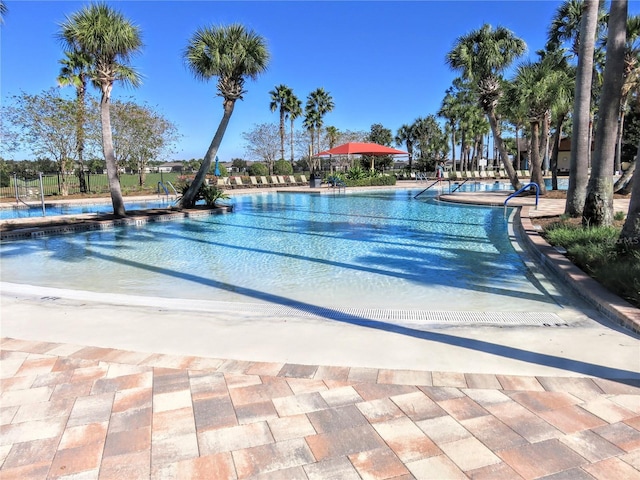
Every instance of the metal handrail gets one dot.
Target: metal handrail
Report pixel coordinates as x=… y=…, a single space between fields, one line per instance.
x=465 y=181
x=175 y=192
x=166 y=190
x=434 y=183
x=532 y=184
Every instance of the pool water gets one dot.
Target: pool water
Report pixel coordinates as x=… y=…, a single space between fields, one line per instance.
x=380 y=249
x=23 y=211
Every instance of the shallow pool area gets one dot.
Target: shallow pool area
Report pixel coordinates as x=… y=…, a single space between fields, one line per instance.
x=51 y=208
x=376 y=249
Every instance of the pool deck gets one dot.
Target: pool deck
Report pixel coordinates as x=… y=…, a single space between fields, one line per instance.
x=92 y=388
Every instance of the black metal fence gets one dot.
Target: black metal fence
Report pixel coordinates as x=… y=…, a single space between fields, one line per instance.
x=96 y=183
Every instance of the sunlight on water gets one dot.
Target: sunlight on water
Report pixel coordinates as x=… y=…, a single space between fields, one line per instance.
x=382 y=249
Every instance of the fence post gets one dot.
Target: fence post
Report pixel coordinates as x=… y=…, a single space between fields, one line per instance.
x=15 y=186
x=44 y=213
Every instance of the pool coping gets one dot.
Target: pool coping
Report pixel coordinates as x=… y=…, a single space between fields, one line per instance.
x=92 y=221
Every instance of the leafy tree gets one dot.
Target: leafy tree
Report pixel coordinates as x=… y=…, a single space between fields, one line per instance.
x=42 y=124
x=280 y=100
x=3 y=11
x=282 y=167
x=598 y=208
x=431 y=142
x=481 y=56
x=262 y=142
x=230 y=53
x=140 y=134
x=239 y=164
x=258 y=169
x=109 y=40
x=382 y=136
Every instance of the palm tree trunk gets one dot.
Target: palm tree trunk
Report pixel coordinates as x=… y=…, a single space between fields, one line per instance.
x=536 y=162
x=554 y=153
x=517 y=147
x=188 y=199
x=109 y=155
x=282 y=133
x=80 y=114
x=630 y=234
x=617 y=166
x=292 y=159
x=580 y=146
x=598 y=208
x=504 y=156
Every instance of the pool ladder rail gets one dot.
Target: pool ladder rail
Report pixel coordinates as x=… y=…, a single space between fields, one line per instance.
x=166 y=190
x=527 y=186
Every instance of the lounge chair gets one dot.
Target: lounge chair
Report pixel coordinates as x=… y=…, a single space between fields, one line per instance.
x=458 y=175
x=222 y=183
x=283 y=181
x=503 y=174
x=265 y=182
x=254 y=182
x=483 y=174
x=237 y=183
x=275 y=181
x=293 y=181
x=303 y=180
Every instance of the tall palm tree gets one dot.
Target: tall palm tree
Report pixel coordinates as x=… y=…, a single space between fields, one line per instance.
x=580 y=137
x=482 y=56
x=109 y=40
x=631 y=78
x=406 y=136
x=75 y=71
x=333 y=134
x=598 y=208
x=230 y=53
x=450 y=110
x=535 y=89
x=280 y=99
x=319 y=103
x=294 y=110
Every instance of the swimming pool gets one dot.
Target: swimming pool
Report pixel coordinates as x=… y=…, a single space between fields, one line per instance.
x=379 y=249
x=9 y=212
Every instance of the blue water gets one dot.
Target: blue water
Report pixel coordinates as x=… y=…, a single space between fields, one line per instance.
x=381 y=249
x=23 y=211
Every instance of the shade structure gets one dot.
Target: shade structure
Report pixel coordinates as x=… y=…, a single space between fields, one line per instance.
x=361 y=148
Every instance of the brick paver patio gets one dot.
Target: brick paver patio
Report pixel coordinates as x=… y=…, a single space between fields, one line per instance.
x=81 y=412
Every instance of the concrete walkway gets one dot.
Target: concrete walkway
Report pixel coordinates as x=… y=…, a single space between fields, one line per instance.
x=94 y=388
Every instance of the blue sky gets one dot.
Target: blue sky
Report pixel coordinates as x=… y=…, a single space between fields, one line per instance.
x=382 y=62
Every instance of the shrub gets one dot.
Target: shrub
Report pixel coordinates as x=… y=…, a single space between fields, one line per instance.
x=596 y=251
x=258 y=170
x=282 y=167
x=209 y=193
x=619 y=216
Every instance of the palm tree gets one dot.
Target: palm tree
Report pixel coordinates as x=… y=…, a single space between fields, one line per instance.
x=580 y=138
x=631 y=79
x=450 y=110
x=319 y=103
x=406 y=136
x=598 y=208
x=109 y=40
x=294 y=110
x=280 y=101
x=332 y=135
x=230 y=53
x=481 y=56
x=534 y=91
x=75 y=72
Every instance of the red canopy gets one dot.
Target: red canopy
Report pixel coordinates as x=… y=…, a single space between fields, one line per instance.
x=362 y=148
